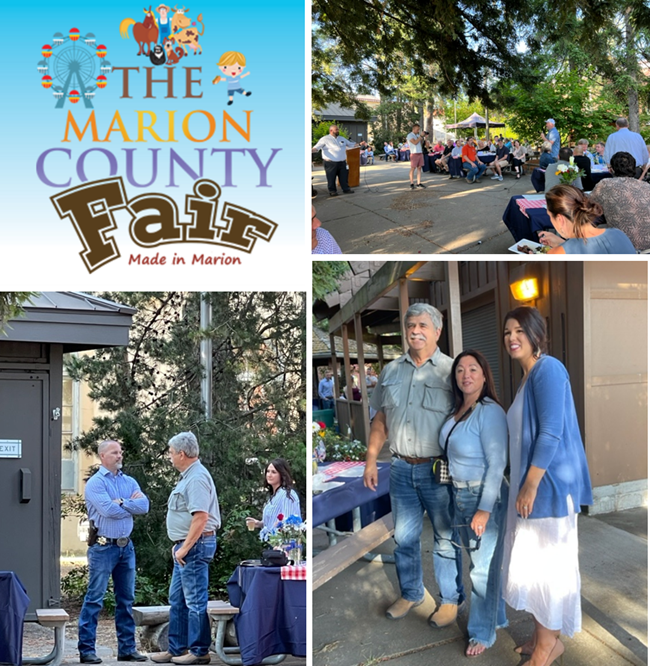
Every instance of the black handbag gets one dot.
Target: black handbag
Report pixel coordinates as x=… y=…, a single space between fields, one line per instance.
x=274 y=558
x=441 y=465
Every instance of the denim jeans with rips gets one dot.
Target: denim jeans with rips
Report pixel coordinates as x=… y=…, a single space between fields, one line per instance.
x=189 y=624
x=488 y=608
x=412 y=492
x=103 y=562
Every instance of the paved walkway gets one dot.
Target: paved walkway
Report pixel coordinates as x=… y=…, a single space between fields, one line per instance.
x=350 y=628
x=384 y=216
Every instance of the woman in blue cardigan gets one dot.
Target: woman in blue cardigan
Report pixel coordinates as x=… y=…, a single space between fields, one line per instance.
x=475 y=439
x=549 y=482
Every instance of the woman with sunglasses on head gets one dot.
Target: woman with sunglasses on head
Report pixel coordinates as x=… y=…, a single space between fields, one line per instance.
x=549 y=482
x=475 y=439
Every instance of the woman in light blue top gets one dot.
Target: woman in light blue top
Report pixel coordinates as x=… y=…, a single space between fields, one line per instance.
x=475 y=439
x=283 y=501
x=573 y=215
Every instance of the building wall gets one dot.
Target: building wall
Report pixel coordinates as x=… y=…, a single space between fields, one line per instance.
x=616 y=380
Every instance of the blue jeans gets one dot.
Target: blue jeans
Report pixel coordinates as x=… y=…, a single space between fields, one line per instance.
x=412 y=492
x=104 y=561
x=189 y=624
x=477 y=171
x=488 y=609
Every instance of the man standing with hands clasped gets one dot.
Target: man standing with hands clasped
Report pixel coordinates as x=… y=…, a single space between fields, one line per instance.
x=193 y=519
x=417 y=156
x=112 y=499
x=413 y=398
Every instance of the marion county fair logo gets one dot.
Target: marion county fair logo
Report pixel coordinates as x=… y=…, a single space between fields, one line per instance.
x=74 y=67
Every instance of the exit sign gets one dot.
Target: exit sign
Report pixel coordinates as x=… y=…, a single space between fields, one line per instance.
x=11 y=448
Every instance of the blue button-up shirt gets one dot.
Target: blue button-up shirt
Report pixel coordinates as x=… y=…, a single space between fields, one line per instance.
x=554 y=136
x=629 y=142
x=326 y=388
x=111 y=519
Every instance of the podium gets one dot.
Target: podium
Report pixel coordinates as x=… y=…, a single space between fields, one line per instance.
x=353 y=158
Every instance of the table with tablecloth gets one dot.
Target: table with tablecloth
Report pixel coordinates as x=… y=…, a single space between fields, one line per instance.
x=538 y=178
x=404 y=155
x=272 y=616
x=486 y=158
x=455 y=165
x=341 y=500
x=13 y=608
x=525 y=225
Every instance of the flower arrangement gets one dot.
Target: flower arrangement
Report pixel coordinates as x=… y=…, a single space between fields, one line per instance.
x=291 y=530
x=568 y=172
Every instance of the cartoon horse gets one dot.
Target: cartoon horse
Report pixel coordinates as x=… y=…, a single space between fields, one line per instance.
x=144 y=33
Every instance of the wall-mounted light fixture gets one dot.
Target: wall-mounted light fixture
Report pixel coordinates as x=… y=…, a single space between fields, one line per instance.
x=525 y=283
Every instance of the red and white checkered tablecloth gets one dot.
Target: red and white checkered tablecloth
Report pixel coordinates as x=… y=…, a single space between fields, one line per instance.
x=294 y=572
x=337 y=467
x=527 y=203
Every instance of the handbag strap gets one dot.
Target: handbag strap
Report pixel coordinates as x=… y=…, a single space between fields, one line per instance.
x=462 y=418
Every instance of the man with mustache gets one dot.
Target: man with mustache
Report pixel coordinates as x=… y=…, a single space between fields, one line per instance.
x=413 y=398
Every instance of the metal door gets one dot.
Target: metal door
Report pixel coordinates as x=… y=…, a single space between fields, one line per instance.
x=24 y=483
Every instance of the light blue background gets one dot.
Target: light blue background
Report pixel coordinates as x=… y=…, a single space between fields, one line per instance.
x=270 y=35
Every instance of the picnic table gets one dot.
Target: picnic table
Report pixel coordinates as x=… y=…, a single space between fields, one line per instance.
x=538 y=178
x=353 y=504
x=525 y=225
x=272 y=618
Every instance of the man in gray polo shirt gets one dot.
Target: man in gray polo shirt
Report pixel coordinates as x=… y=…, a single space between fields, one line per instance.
x=413 y=399
x=193 y=519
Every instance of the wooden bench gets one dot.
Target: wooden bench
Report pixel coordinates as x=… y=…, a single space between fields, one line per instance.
x=335 y=559
x=53 y=618
x=154 y=620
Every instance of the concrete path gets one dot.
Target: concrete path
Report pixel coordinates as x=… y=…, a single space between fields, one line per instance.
x=384 y=216
x=350 y=628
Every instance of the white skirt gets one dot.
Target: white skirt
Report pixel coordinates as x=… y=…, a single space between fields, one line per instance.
x=541 y=573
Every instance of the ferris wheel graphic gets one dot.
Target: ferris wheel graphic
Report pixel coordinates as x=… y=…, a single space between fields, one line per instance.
x=74 y=68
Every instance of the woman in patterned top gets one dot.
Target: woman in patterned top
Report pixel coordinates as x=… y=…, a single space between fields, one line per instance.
x=283 y=499
x=626 y=201
x=322 y=241
x=573 y=215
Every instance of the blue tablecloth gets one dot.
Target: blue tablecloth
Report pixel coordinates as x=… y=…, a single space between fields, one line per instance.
x=13 y=607
x=339 y=502
x=455 y=166
x=272 y=616
x=521 y=226
x=404 y=155
x=486 y=159
x=538 y=178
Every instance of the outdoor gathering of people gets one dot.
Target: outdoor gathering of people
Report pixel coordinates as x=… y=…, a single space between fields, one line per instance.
x=193 y=519
x=451 y=442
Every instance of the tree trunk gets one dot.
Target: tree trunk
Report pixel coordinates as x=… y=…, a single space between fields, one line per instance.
x=428 y=123
x=632 y=71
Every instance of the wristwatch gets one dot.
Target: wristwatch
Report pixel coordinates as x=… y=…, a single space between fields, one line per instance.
x=121 y=502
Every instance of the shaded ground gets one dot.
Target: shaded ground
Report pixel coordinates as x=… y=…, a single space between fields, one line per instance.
x=350 y=627
x=384 y=216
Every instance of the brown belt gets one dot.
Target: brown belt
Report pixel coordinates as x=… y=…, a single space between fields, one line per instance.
x=205 y=534
x=415 y=461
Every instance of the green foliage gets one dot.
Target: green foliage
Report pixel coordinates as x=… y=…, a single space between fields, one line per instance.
x=150 y=391
x=72 y=505
x=326 y=275
x=11 y=305
x=323 y=129
x=342 y=448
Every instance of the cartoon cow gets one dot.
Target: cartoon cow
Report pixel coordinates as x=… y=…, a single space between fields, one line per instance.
x=183 y=34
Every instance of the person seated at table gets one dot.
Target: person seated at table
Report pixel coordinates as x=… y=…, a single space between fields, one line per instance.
x=322 y=241
x=500 y=161
x=475 y=439
x=475 y=168
x=454 y=163
x=441 y=162
x=645 y=174
x=599 y=155
x=626 y=201
x=507 y=142
x=283 y=499
x=584 y=163
x=545 y=158
x=518 y=158
x=552 y=176
x=584 y=144
x=573 y=215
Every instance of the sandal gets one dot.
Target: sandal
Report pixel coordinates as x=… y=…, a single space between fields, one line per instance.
x=527 y=648
x=475 y=647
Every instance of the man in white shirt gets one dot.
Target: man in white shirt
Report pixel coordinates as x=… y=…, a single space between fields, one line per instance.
x=417 y=156
x=334 y=147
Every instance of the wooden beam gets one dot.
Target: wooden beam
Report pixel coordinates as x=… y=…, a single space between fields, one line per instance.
x=380 y=352
x=362 y=380
x=454 y=321
x=403 y=307
x=335 y=369
x=378 y=285
x=348 y=372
